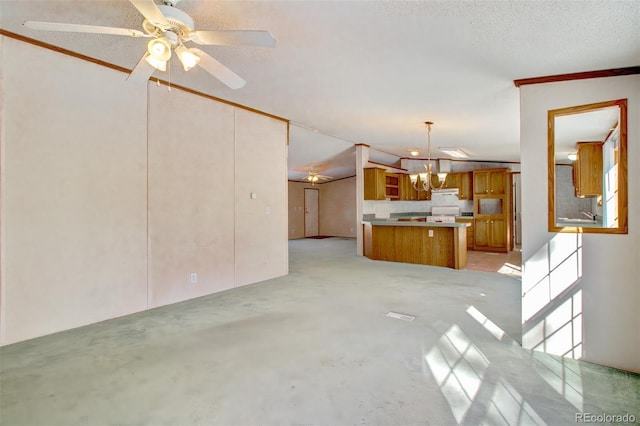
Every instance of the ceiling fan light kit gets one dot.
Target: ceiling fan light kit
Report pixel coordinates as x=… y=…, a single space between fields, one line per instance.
x=169 y=29
x=156 y=63
x=313 y=176
x=160 y=48
x=187 y=57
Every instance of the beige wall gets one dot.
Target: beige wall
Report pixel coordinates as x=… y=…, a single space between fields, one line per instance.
x=593 y=277
x=296 y=208
x=111 y=200
x=73 y=193
x=261 y=247
x=191 y=217
x=338 y=208
x=337 y=204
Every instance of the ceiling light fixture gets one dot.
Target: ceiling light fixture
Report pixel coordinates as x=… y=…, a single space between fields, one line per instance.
x=159 y=53
x=187 y=57
x=160 y=48
x=414 y=152
x=156 y=63
x=454 y=152
x=573 y=156
x=426 y=178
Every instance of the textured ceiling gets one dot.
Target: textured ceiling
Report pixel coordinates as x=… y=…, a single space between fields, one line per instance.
x=372 y=72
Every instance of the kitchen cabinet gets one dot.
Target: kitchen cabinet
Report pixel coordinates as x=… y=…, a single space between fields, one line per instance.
x=492 y=210
x=375 y=184
x=587 y=169
x=392 y=186
x=490 y=181
x=490 y=234
x=407 y=192
x=452 y=180
x=417 y=242
x=380 y=185
x=465 y=185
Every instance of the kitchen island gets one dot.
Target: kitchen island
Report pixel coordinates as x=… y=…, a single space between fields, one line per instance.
x=426 y=243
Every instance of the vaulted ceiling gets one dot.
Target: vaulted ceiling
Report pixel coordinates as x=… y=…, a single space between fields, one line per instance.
x=372 y=72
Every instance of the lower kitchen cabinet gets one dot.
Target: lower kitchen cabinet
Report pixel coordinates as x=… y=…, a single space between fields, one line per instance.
x=491 y=234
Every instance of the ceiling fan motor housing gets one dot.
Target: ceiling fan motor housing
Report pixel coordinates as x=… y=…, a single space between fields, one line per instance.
x=181 y=23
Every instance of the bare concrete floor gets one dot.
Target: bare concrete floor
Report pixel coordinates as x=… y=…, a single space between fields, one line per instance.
x=313 y=348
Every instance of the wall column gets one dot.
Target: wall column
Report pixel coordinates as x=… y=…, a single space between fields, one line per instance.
x=362 y=158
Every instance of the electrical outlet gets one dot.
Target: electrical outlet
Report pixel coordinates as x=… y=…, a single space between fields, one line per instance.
x=431 y=232
x=193 y=278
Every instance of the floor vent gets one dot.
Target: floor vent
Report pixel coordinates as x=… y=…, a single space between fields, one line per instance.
x=402 y=317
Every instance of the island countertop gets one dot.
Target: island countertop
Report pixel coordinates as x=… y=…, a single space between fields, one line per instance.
x=386 y=222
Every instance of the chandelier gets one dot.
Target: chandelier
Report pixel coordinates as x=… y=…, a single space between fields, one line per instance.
x=425 y=178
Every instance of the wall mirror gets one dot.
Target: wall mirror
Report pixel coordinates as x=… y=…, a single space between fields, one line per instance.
x=587 y=155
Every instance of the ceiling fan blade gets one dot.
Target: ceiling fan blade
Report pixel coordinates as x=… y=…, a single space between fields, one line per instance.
x=142 y=71
x=234 y=38
x=218 y=70
x=150 y=10
x=78 y=28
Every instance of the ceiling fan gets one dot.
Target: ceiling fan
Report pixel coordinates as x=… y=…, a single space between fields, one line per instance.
x=169 y=29
x=313 y=177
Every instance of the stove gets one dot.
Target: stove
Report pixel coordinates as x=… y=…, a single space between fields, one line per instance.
x=444 y=206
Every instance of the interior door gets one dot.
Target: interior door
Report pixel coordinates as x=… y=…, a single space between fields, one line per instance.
x=311 y=212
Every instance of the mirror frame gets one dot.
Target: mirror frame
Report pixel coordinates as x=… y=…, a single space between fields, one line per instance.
x=622 y=168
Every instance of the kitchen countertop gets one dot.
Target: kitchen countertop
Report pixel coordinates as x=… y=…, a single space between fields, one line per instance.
x=393 y=222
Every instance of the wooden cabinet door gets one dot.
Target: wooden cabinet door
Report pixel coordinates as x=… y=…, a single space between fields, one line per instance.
x=480 y=182
x=497 y=182
x=452 y=180
x=588 y=169
x=407 y=192
x=497 y=234
x=465 y=184
x=481 y=233
x=374 y=184
x=490 y=182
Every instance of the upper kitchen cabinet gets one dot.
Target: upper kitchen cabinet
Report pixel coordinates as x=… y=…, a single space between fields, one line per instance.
x=490 y=181
x=380 y=185
x=374 y=184
x=407 y=191
x=452 y=180
x=465 y=185
x=587 y=169
x=392 y=185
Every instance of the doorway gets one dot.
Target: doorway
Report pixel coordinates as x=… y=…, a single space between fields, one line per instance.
x=311 y=212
